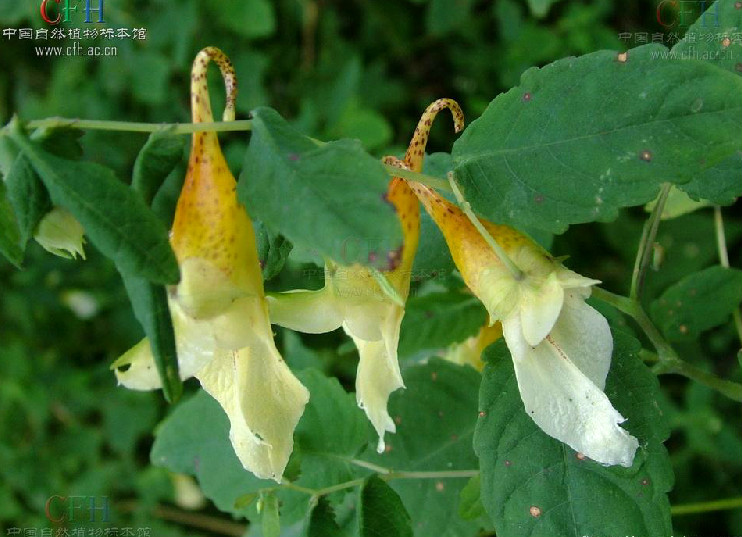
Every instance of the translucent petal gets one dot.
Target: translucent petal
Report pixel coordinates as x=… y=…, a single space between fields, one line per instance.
x=568 y=406
x=378 y=373
x=205 y=290
x=584 y=335
x=195 y=344
x=311 y=312
x=540 y=307
x=263 y=401
x=141 y=373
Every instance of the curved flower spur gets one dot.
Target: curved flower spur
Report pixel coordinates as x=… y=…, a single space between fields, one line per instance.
x=561 y=347
x=219 y=312
x=369 y=305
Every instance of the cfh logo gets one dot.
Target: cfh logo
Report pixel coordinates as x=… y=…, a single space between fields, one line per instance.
x=66 y=7
x=671 y=13
x=77 y=508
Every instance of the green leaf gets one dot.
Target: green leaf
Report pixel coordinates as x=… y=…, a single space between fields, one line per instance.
x=248 y=18
x=444 y=16
x=114 y=217
x=10 y=235
x=705 y=38
x=432 y=258
x=273 y=250
x=470 y=506
x=381 y=512
x=540 y=8
x=194 y=439
x=719 y=184
x=322 y=522
x=329 y=436
x=151 y=310
x=60 y=141
x=437 y=320
x=159 y=156
x=270 y=520
x=331 y=197
x=367 y=125
x=698 y=302
x=435 y=418
x=534 y=485
x=582 y=137
x=29 y=198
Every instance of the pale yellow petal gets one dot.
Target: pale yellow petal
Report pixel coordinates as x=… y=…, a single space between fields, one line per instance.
x=539 y=308
x=141 y=373
x=378 y=373
x=263 y=401
x=311 y=312
x=205 y=290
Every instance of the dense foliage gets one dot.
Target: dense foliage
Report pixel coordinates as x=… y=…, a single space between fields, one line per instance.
x=604 y=156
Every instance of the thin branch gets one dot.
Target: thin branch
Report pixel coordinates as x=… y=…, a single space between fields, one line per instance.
x=127 y=126
x=427 y=180
x=706 y=507
x=644 y=253
x=667 y=359
x=721 y=243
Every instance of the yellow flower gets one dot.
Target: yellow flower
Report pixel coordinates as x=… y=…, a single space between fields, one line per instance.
x=561 y=347
x=219 y=311
x=353 y=298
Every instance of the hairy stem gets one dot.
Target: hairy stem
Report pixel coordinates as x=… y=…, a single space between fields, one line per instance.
x=387 y=474
x=667 y=359
x=644 y=254
x=706 y=507
x=427 y=180
x=127 y=126
x=721 y=243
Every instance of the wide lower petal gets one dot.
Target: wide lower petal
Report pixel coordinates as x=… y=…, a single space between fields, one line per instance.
x=583 y=334
x=568 y=406
x=263 y=401
x=378 y=374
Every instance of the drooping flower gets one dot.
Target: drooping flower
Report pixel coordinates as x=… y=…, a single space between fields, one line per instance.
x=220 y=315
x=354 y=299
x=61 y=234
x=561 y=347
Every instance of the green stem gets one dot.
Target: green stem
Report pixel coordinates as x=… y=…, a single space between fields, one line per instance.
x=504 y=259
x=427 y=180
x=706 y=507
x=644 y=254
x=668 y=361
x=387 y=474
x=127 y=126
x=721 y=243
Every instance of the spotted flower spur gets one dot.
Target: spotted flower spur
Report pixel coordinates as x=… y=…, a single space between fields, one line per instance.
x=219 y=312
x=561 y=347
x=369 y=305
